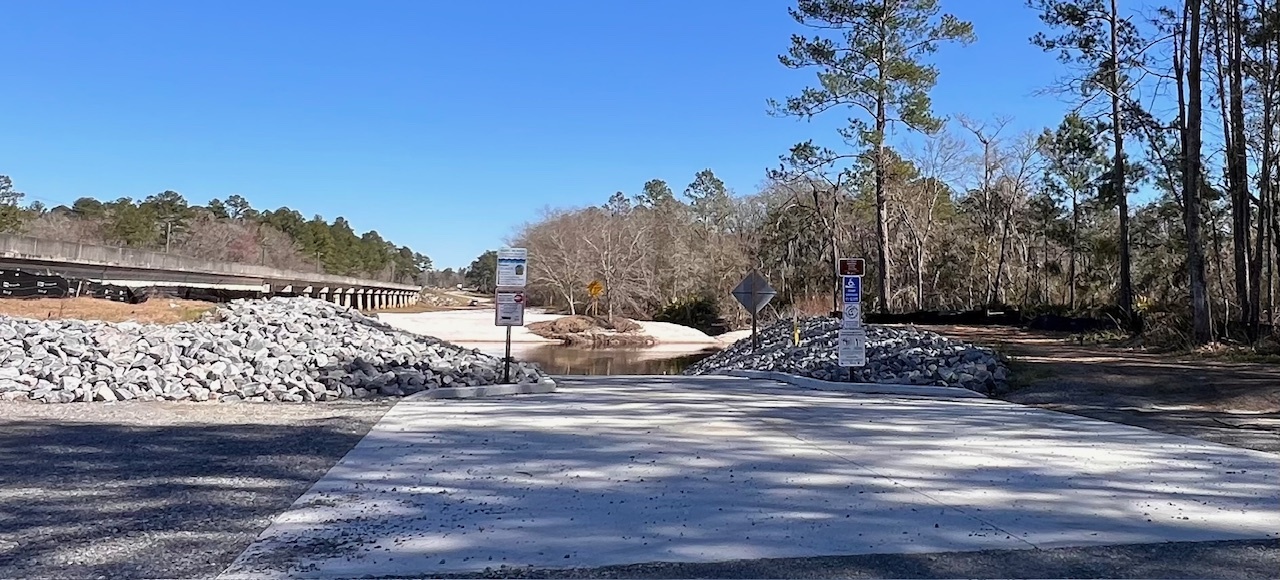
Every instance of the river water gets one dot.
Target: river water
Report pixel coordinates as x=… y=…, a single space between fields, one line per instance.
x=563 y=360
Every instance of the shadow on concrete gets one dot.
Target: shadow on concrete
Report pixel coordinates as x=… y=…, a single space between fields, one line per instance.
x=612 y=471
x=1248 y=559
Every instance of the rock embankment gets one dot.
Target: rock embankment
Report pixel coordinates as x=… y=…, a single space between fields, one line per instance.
x=283 y=349
x=901 y=355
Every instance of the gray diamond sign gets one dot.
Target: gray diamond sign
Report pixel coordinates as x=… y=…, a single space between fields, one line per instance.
x=754 y=292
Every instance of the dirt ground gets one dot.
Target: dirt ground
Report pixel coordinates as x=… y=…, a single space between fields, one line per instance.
x=1233 y=403
x=157 y=311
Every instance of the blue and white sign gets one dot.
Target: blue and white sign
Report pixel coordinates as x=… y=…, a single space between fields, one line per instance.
x=852 y=318
x=513 y=267
x=852 y=289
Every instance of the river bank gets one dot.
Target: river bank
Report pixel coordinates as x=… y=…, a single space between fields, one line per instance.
x=476 y=326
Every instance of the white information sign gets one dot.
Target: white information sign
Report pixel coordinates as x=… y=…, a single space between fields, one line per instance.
x=852 y=347
x=852 y=318
x=513 y=267
x=509 y=307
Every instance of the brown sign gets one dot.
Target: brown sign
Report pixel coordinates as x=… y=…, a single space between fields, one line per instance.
x=852 y=266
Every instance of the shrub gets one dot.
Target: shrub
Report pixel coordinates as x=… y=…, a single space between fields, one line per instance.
x=702 y=313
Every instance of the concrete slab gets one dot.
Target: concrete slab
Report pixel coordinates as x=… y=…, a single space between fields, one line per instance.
x=640 y=469
x=538 y=388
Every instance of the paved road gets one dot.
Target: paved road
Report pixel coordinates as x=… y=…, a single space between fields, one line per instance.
x=624 y=470
x=157 y=489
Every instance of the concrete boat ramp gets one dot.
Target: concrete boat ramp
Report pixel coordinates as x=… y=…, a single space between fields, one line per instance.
x=621 y=470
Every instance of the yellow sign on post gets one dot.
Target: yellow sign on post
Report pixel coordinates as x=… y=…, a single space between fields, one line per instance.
x=594 y=290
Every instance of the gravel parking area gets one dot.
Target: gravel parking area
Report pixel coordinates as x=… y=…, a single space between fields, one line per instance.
x=156 y=490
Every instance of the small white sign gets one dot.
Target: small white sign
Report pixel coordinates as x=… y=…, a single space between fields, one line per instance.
x=852 y=348
x=852 y=318
x=513 y=267
x=508 y=308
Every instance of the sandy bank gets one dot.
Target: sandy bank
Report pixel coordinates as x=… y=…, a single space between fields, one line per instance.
x=477 y=326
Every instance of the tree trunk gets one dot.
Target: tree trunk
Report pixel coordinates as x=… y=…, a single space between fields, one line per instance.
x=1220 y=270
x=1044 y=263
x=1266 y=210
x=882 y=224
x=838 y=297
x=1193 y=118
x=1118 y=176
x=919 y=275
x=1238 y=164
x=1075 y=245
x=1004 y=245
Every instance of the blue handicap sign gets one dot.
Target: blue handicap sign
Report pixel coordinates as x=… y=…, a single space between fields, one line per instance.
x=852 y=289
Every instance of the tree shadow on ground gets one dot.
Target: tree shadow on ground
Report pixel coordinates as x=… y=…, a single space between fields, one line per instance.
x=101 y=499
x=617 y=470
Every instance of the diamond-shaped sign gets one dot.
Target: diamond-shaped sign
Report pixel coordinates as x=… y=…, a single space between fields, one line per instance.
x=754 y=292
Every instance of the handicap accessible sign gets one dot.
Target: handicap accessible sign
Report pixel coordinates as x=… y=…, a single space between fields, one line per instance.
x=852 y=289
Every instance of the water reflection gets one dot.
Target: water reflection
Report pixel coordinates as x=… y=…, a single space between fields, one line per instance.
x=563 y=360
x=560 y=360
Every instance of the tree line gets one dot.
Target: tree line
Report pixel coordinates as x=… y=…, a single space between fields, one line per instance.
x=229 y=230
x=1173 y=100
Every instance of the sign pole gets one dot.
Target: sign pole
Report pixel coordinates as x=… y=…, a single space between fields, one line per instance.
x=506 y=360
x=753 y=293
x=755 y=343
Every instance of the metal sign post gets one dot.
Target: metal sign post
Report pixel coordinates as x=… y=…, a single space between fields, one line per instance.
x=754 y=293
x=506 y=359
x=852 y=339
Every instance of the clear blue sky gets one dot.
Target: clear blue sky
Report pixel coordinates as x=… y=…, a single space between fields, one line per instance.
x=441 y=124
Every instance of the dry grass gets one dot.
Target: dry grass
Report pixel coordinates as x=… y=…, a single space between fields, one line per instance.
x=156 y=310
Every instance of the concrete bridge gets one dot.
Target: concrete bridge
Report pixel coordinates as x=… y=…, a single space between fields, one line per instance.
x=143 y=269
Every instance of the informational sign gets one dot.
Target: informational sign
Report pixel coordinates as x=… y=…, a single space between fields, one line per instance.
x=852 y=347
x=852 y=266
x=754 y=292
x=513 y=267
x=509 y=307
x=595 y=289
x=852 y=318
x=852 y=289
x=852 y=340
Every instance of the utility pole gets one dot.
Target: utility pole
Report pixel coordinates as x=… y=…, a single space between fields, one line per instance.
x=168 y=233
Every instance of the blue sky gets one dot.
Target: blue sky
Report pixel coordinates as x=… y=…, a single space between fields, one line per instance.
x=443 y=125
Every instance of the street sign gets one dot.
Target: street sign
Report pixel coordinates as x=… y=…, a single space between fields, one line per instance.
x=513 y=267
x=754 y=292
x=852 y=289
x=852 y=318
x=509 y=307
x=852 y=347
x=852 y=266
x=595 y=289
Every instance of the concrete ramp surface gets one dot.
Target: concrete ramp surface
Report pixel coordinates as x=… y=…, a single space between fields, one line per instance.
x=619 y=470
